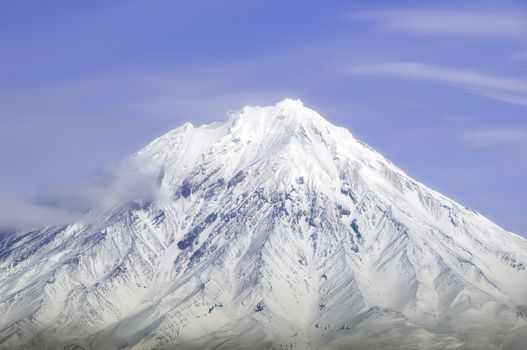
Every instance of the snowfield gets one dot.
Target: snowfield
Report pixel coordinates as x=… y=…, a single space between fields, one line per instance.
x=272 y=229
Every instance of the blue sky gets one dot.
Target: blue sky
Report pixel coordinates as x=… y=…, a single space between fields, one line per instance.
x=440 y=88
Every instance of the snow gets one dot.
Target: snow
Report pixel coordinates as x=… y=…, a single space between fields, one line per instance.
x=296 y=235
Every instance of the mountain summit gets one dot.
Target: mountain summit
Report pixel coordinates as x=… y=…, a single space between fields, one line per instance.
x=270 y=229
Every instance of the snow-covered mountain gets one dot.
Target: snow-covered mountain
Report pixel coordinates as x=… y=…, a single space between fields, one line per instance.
x=270 y=229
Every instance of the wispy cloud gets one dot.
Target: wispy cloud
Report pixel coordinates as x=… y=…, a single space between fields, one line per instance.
x=19 y=214
x=493 y=137
x=117 y=184
x=504 y=89
x=521 y=54
x=509 y=98
x=440 y=22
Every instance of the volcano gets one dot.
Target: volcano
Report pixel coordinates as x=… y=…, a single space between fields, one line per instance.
x=271 y=229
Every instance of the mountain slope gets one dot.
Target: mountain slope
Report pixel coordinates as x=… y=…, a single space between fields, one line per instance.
x=272 y=228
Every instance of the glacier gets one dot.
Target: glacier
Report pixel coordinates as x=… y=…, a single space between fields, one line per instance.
x=271 y=229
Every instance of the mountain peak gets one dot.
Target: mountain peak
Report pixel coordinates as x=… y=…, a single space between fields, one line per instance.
x=288 y=131
x=289 y=103
x=287 y=114
x=286 y=105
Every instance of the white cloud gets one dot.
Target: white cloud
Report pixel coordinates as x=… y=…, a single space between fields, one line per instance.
x=504 y=89
x=450 y=75
x=440 y=22
x=521 y=54
x=509 y=98
x=18 y=214
x=493 y=137
x=118 y=184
